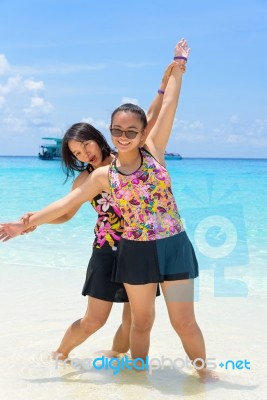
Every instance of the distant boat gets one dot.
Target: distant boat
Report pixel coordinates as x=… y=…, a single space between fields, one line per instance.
x=172 y=156
x=50 y=151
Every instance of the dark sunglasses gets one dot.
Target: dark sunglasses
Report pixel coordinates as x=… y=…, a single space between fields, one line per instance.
x=118 y=133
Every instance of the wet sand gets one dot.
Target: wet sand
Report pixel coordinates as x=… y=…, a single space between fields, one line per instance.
x=38 y=304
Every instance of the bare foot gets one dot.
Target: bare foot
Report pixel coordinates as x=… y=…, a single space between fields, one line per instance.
x=58 y=356
x=140 y=367
x=207 y=376
x=111 y=354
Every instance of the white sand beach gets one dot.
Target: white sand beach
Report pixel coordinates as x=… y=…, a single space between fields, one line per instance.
x=38 y=304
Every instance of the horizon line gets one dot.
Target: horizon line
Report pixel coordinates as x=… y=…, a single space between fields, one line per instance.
x=183 y=158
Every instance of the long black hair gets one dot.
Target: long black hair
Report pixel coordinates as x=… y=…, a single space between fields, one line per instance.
x=81 y=132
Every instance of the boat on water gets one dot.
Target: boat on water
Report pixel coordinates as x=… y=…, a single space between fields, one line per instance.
x=172 y=156
x=50 y=151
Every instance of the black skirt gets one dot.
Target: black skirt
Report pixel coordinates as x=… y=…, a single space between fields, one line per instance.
x=98 y=282
x=167 y=259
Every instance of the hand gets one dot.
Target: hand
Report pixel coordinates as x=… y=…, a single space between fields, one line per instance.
x=26 y=219
x=11 y=230
x=168 y=71
x=181 y=50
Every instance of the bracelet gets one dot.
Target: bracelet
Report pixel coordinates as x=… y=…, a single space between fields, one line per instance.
x=160 y=91
x=180 y=58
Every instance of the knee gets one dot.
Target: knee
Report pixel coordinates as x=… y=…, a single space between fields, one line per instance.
x=91 y=325
x=185 y=327
x=143 y=323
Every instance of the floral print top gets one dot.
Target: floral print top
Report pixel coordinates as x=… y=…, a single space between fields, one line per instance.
x=146 y=200
x=109 y=226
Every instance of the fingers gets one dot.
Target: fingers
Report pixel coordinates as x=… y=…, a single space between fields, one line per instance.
x=182 y=43
x=7 y=238
x=3 y=233
x=26 y=217
x=182 y=49
x=10 y=230
x=182 y=67
x=4 y=237
x=29 y=230
x=168 y=71
x=2 y=229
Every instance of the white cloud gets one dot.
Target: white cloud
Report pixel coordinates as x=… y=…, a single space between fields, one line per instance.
x=250 y=133
x=22 y=111
x=13 y=83
x=4 y=66
x=98 y=124
x=32 y=85
x=260 y=125
x=129 y=100
x=189 y=131
x=191 y=137
x=188 y=125
x=39 y=105
x=14 y=124
x=234 y=132
x=234 y=119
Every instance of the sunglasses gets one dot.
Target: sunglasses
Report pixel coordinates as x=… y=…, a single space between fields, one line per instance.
x=118 y=133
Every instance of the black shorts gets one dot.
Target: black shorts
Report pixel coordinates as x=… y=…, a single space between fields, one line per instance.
x=98 y=282
x=168 y=259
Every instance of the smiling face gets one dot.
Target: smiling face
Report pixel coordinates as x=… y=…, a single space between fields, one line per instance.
x=87 y=152
x=127 y=121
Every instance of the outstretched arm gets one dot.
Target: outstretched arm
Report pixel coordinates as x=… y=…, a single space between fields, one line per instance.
x=70 y=214
x=94 y=184
x=63 y=218
x=160 y=133
x=155 y=107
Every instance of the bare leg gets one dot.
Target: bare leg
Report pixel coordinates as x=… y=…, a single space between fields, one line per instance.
x=180 y=304
x=121 y=340
x=142 y=302
x=95 y=317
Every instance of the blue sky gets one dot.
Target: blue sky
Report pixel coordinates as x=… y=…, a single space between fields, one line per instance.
x=67 y=61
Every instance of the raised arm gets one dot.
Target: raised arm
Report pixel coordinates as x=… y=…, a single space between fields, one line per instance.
x=155 y=106
x=94 y=184
x=154 y=109
x=160 y=133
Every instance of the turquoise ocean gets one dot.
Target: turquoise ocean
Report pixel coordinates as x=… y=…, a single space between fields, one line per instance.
x=222 y=201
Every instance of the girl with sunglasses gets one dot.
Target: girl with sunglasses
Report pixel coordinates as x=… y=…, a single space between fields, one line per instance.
x=154 y=247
